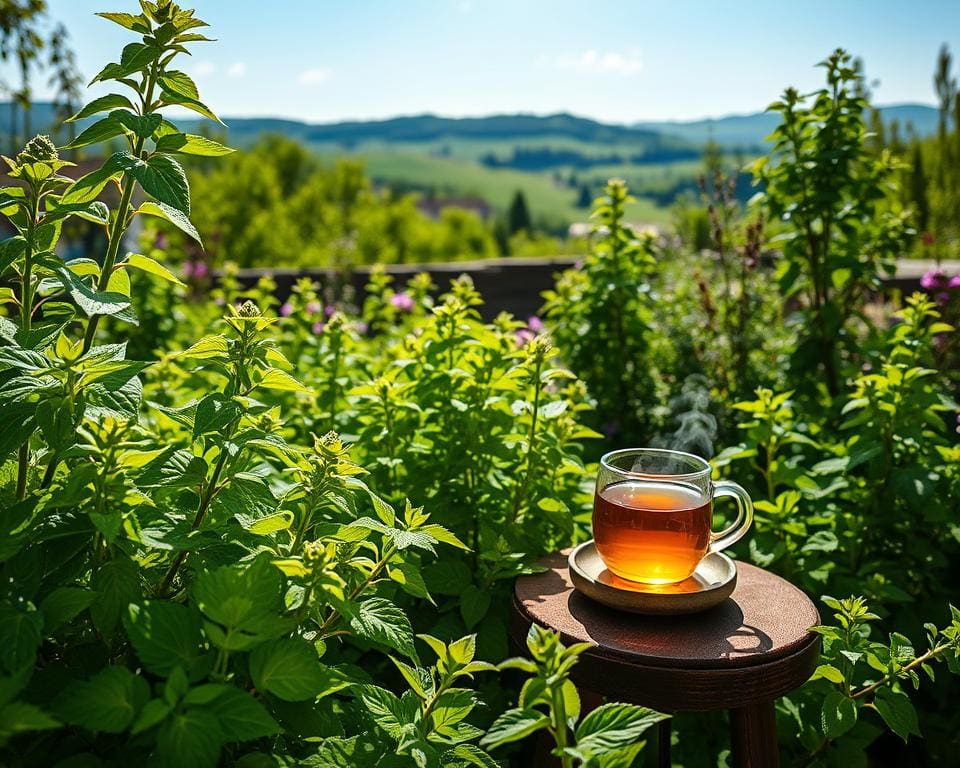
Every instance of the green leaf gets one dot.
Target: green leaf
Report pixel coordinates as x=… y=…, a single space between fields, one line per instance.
x=275 y=379
x=242 y=604
x=444 y=536
x=474 y=604
x=63 y=604
x=102 y=130
x=264 y=526
x=87 y=187
x=385 y=708
x=408 y=576
x=613 y=726
x=380 y=621
x=190 y=738
x=513 y=725
x=163 y=179
x=171 y=214
x=91 y=301
x=897 y=712
x=472 y=755
x=19 y=717
x=289 y=669
x=109 y=702
x=189 y=144
x=165 y=635
x=839 y=714
x=102 y=104
x=153 y=713
x=151 y=267
x=215 y=412
x=174 y=468
x=241 y=716
x=10 y=251
x=137 y=23
x=20 y=634
x=179 y=83
x=117 y=583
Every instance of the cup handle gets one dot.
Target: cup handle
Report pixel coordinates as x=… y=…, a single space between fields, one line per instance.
x=736 y=531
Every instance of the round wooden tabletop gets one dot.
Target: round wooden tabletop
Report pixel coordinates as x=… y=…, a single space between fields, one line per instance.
x=756 y=645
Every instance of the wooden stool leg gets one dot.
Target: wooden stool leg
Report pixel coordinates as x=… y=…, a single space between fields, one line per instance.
x=753 y=736
x=663 y=743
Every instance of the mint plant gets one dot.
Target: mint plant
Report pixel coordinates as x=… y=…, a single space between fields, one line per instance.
x=607 y=736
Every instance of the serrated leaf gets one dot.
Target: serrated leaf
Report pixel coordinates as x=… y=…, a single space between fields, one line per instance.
x=241 y=716
x=102 y=104
x=190 y=144
x=171 y=214
x=90 y=300
x=163 y=179
x=289 y=669
x=380 y=621
x=108 y=702
x=117 y=583
x=513 y=725
x=20 y=634
x=838 y=714
x=474 y=604
x=164 y=635
x=214 y=413
x=613 y=726
x=897 y=712
x=190 y=738
x=385 y=708
x=63 y=604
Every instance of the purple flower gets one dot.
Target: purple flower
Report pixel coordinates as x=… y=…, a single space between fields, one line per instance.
x=313 y=307
x=318 y=328
x=329 y=310
x=578 y=264
x=161 y=241
x=402 y=301
x=524 y=337
x=535 y=324
x=954 y=282
x=610 y=428
x=932 y=279
x=361 y=327
x=188 y=269
x=286 y=310
x=200 y=270
x=943 y=298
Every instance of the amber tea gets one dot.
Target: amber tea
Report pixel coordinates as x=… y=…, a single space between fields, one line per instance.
x=652 y=532
x=653 y=510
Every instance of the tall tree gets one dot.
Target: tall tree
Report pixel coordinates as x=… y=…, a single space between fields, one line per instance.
x=918 y=189
x=518 y=215
x=20 y=39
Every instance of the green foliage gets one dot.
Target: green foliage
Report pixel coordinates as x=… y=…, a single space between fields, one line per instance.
x=822 y=180
x=601 y=316
x=275 y=204
x=606 y=736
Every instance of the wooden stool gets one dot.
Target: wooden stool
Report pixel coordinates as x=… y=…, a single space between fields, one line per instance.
x=739 y=656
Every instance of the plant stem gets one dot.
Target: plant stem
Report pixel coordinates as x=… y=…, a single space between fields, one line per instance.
x=381 y=564
x=531 y=442
x=26 y=318
x=560 y=726
x=120 y=223
x=205 y=500
x=931 y=654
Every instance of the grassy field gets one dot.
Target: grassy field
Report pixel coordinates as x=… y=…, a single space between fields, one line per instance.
x=548 y=199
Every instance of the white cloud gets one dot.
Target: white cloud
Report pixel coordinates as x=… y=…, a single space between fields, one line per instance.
x=591 y=61
x=314 y=76
x=204 y=69
x=237 y=69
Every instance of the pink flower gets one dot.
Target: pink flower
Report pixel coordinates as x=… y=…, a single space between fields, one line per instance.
x=943 y=298
x=535 y=324
x=954 y=282
x=161 y=241
x=524 y=337
x=402 y=301
x=219 y=301
x=318 y=328
x=188 y=269
x=329 y=310
x=361 y=327
x=313 y=307
x=286 y=310
x=200 y=270
x=932 y=279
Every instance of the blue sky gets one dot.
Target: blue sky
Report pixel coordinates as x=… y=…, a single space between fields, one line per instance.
x=323 y=60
